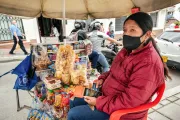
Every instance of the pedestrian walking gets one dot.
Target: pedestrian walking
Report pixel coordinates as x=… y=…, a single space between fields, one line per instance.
x=17 y=37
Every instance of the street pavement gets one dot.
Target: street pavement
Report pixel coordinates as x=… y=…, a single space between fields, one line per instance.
x=6 y=57
x=19 y=55
x=167 y=109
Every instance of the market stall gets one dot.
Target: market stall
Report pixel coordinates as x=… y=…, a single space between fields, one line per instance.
x=63 y=72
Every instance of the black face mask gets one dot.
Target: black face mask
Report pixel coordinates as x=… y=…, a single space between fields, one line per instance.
x=131 y=43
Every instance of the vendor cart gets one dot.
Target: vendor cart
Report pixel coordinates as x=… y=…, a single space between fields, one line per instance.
x=56 y=84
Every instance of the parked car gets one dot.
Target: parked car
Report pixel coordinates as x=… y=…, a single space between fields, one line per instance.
x=169 y=45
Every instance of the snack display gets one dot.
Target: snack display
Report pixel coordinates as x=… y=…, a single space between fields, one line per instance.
x=64 y=75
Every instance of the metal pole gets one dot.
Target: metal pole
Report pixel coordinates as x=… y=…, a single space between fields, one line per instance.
x=38 y=31
x=17 y=101
x=64 y=22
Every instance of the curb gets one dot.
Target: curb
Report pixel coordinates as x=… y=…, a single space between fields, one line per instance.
x=11 y=59
x=14 y=60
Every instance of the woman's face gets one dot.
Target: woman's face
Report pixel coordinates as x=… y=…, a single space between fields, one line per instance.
x=132 y=29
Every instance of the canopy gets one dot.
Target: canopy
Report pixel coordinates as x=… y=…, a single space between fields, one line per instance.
x=80 y=9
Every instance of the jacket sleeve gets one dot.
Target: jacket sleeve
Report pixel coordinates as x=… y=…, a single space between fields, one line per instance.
x=104 y=75
x=142 y=84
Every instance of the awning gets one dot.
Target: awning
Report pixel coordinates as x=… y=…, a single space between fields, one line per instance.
x=80 y=9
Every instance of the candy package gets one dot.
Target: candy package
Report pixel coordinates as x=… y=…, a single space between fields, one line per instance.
x=61 y=105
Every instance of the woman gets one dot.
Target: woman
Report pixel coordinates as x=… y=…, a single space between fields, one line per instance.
x=111 y=30
x=135 y=75
x=97 y=37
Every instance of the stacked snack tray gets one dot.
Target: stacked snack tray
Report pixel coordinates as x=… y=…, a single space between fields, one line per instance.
x=52 y=82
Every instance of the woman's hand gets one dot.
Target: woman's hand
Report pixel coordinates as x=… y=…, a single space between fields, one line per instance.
x=99 y=83
x=90 y=100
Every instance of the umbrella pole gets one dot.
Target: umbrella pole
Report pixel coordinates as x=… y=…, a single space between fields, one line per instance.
x=64 y=22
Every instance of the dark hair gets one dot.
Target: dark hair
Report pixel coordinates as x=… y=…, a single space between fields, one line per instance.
x=145 y=22
x=110 y=23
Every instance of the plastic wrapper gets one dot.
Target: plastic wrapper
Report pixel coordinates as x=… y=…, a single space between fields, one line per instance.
x=75 y=77
x=36 y=104
x=58 y=74
x=44 y=73
x=50 y=97
x=35 y=114
x=58 y=100
x=66 y=78
x=46 y=116
x=79 y=75
x=61 y=105
x=65 y=58
x=41 y=61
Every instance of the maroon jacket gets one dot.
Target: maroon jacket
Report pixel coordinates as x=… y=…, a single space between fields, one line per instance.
x=131 y=81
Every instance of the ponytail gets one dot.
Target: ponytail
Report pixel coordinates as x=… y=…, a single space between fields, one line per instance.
x=166 y=70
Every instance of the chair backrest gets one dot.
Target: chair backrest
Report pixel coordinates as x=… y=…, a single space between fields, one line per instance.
x=117 y=114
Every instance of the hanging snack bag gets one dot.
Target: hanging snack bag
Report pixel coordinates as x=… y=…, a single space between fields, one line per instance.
x=41 y=61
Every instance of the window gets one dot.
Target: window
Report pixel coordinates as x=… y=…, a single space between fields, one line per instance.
x=154 y=18
x=119 y=23
x=5 y=23
x=170 y=36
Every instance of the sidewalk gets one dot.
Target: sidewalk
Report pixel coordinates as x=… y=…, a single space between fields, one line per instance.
x=18 y=56
x=6 y=57
x=168 y=108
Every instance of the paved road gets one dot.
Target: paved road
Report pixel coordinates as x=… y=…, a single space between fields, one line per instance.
x=8 y=97
x=175 y=74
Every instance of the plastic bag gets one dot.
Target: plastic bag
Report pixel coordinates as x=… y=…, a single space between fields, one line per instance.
x=35 y=114
x=41 y=61
x=27 y=78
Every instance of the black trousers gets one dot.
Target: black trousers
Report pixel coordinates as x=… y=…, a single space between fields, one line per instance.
x=20 y=44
